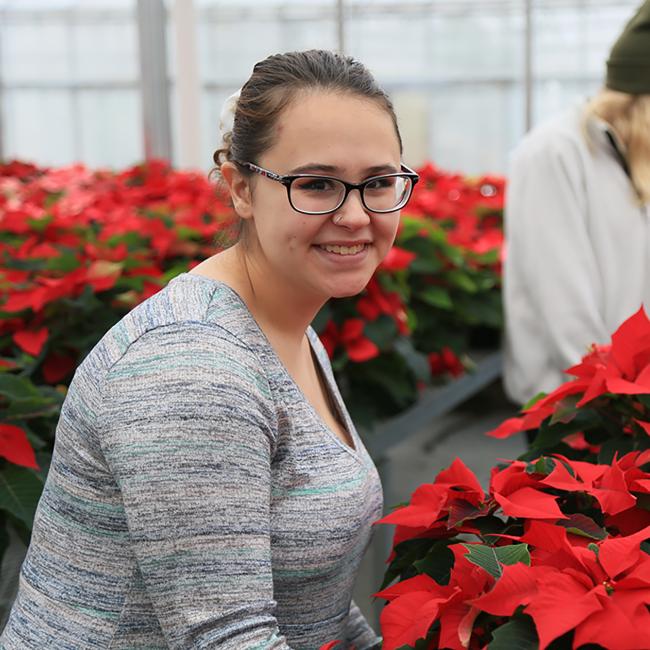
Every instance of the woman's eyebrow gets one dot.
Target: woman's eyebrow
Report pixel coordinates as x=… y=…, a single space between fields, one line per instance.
x=333 y=169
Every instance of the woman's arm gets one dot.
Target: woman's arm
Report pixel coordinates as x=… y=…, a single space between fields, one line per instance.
x=187 y=428
x=359 y=633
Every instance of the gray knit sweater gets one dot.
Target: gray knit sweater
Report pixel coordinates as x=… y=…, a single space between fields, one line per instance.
x=195 y=498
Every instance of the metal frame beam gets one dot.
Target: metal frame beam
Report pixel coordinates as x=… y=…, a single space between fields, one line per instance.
x=152 y=31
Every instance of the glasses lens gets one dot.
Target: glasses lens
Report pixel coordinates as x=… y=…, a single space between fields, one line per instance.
x=316 y=194
x=387 y=193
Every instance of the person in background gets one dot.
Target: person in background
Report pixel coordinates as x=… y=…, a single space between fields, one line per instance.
x=577 y=223
x=208 y=488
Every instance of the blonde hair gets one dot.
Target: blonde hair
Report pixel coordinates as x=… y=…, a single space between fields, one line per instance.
x=629 y=117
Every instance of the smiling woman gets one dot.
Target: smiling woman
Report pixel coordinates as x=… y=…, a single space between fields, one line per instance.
x=208 y=488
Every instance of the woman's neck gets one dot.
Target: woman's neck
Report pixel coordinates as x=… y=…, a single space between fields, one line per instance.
x=276 y=306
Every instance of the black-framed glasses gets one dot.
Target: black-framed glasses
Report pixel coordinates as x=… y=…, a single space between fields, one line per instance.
x=316 y=194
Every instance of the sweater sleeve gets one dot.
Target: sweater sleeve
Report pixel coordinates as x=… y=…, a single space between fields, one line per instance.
x=188 y=431
x=359 y=633
x=552 y=283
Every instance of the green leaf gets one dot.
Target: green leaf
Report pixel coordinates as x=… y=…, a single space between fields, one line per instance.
x=17 y=388
x=549 y=436
x=64 y=263
x=406 y=554
x=460 y=511
x=462 y=280
x=20 y=490
x=517 y=634
x=491 y=558
x=39 y=225
x=382 y=331
x=543 y=465
x=437 y=563
x=488 y=526
x=580 y=524
x=566 y=409
x=533 y=400
x=436 y=297
x=30 y=408
x=53 y=197
x=620 y=445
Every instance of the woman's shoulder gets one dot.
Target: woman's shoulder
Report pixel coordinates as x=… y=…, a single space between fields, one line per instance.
x=558 y=135
x=192 y=318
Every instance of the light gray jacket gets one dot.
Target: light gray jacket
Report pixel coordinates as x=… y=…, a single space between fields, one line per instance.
x=577 y=252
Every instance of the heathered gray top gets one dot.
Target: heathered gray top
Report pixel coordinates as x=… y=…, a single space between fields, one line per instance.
x=195 y=498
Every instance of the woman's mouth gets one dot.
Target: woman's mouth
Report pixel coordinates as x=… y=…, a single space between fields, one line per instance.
x=338 y=249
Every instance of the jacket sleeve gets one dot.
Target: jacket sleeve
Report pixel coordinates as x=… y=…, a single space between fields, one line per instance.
x=188 y=432
x=552 y=283
x=359 y=633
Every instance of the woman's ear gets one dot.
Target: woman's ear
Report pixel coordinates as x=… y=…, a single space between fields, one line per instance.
x=239 y=188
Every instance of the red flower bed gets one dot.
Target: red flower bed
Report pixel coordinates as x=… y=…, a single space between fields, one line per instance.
x=80 y=248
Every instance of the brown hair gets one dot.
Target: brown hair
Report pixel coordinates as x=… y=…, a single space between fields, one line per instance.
x=629 y=116
x=275 y=82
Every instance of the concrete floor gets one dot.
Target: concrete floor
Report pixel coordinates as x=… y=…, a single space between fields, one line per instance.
x=418 y=459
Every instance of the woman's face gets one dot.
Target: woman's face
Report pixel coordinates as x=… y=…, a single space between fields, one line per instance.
x=338 y=135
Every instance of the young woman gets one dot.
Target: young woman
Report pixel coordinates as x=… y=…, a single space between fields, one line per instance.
x=208 y=488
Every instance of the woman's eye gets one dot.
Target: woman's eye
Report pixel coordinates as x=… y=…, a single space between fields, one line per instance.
x=315 y=185
x=381 y=183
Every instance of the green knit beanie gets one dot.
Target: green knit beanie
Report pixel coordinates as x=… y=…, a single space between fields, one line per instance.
x=628 y=67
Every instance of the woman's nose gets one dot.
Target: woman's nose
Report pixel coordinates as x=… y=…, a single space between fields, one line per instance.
x=352 y=214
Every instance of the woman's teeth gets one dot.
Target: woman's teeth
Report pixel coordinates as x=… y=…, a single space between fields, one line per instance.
x=343 y=250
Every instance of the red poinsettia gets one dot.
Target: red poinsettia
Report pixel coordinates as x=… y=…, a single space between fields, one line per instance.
x=549 y=547
x=15 y=447
x=445 y=362
x=415 y=604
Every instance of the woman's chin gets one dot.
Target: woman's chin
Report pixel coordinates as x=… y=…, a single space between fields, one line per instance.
x=348 y=289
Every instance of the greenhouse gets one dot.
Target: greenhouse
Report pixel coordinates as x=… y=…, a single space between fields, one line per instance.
x=323 y=324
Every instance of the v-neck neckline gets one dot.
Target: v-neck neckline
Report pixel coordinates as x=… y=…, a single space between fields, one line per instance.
x=332 y=394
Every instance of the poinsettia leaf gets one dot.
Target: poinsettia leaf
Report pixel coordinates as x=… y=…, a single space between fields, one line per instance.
x=543 y=465
x=620 y=445
x=461 y=511
x=490 y=558
x=565 y=410
x=489 y=526
x=437 y=563
x=644 y=399
x=517 y=634
x=513 y=554
x=65 y=263
x=406 y=555
x=17 y=388
x=382 y=331
x=34 y=407
x=580 y=524
x=533 y=400
x=461 y=280
x=436 y=297
x=549 y=435
x=20 y=490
